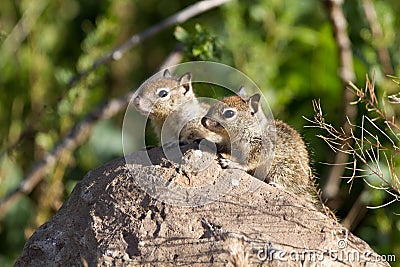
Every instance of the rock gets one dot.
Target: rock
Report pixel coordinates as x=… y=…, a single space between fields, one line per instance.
x=188 y=211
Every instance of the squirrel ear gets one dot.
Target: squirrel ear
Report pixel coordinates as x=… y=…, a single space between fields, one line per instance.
x=242 y=92
x=186 y=82
x=254 y=103
x=185 y=78
x=167 y=74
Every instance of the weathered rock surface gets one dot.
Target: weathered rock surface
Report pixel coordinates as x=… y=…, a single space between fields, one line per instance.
x=110 y=220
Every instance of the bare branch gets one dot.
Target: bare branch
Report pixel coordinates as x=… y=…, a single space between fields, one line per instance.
x=346 y=73
x=22 y=29
x=76 y=136
x=376 y=30
x=180 y=17
x=80 y=132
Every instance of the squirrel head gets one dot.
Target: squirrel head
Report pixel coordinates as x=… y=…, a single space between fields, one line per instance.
x=157 y=98
x=235 y=116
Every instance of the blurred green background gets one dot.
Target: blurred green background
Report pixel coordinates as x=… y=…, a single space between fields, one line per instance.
x=286 y=46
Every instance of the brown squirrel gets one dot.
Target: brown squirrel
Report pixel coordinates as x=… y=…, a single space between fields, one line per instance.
x=173 y=108
x=274 y=154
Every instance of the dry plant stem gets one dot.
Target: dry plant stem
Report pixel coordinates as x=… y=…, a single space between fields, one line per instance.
x=372 y=102
x=76 y=136
x=346 y=73
x=376 y=30
x=180 y=17
x=367 y=150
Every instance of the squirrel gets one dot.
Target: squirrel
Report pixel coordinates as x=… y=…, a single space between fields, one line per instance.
x=274 y=154
x=173 y=108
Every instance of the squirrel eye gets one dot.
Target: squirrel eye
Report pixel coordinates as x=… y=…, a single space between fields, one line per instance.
x=229 y=113
x=162 y=93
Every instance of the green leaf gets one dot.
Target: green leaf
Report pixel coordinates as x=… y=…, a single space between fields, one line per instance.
x=181 y=34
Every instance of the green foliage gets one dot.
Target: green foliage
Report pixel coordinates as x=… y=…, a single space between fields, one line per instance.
x=285 y=46
x=200 y=45
x=269 y=43
x=37 y=106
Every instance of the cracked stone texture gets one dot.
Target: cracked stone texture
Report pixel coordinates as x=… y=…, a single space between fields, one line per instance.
x=203 y=215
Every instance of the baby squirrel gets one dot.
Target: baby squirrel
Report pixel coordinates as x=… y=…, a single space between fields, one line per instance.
x=247 y=141
x=173 y=108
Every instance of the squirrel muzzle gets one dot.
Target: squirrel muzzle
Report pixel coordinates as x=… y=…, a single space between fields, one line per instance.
x=211 y=124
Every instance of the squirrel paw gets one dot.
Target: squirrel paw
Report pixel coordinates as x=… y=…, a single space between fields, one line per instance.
x=229 y=164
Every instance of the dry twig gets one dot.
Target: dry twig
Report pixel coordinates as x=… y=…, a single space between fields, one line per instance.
x=370 y=149
x=346 y=73
x=179 y=17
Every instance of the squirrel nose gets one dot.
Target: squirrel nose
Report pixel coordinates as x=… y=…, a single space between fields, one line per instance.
x=209 y=123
